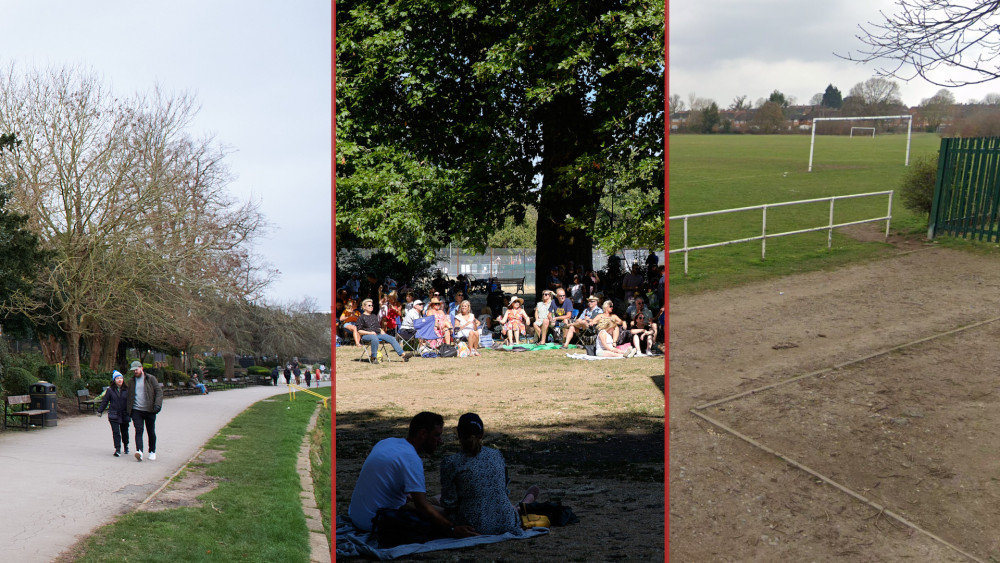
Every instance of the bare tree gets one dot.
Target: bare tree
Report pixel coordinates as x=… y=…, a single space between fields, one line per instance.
x=934 y=38
x=875 y=96
x=135 y=211
x=676 y=103
x=991 y=99
x=740 y=103
x=937 y=108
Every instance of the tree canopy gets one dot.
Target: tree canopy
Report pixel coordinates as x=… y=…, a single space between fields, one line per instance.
x=453 y=117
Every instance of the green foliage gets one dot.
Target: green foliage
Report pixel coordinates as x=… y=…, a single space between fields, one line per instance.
x=32 y=362
x=450 y=115
x=516 y=232
x=16 y=380
x=778 y=98
x=916 y=191
x=832 y=98
x=382 y=263
x=710 y=118
x=258 y=370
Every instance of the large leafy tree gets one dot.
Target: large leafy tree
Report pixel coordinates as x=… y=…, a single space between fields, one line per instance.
x=455 y=116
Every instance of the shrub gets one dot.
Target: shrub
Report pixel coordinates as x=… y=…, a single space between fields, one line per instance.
x=32 y=362
x=917 y=189
x=16 y=380
x=258 y=370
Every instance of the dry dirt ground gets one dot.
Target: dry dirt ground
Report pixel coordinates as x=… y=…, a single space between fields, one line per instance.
x=905 y=423
x=588 y=433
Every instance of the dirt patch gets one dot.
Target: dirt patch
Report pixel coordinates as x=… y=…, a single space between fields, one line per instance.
x=185 y=490
x=588 y=433
x=910 y=430
x=875 y=232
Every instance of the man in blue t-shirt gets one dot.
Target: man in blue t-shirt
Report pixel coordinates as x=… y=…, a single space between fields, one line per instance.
x=393 y=474
x=562 y=313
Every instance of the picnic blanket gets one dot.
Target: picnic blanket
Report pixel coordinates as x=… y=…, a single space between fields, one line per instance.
x=586 y=357
x=352 y=542
x=533 y=347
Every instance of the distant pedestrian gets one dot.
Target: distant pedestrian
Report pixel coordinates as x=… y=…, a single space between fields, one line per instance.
x=145 y=398
x=296 y=372
x=274 y=376
x=308 y=376
x=116 y=403
x=288 y=374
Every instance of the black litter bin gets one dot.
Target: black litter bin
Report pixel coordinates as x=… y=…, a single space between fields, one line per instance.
x=43 y=397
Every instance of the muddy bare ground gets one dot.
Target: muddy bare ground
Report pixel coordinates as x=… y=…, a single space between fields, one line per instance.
x=912 y=430
x=588 y=433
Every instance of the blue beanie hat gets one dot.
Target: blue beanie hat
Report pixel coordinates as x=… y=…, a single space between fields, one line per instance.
x=115 y=375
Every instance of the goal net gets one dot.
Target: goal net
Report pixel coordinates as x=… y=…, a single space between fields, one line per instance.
x=884 y=123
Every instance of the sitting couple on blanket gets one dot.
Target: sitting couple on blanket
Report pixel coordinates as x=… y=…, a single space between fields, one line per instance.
x=474 y=482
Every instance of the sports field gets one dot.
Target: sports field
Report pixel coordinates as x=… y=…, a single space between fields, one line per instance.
x=828 y=405
x=715 y=172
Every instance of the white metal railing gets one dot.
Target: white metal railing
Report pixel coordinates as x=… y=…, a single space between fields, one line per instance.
x=765 y=235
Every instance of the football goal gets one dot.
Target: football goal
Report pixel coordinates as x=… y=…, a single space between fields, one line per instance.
x=907 y=118
x=859 y=130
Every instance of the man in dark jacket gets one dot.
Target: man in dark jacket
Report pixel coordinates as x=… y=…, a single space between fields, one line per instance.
x=116 y=402
x=145 y=398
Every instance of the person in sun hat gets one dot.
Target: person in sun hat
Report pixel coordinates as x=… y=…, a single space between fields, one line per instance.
x=514 y=321
x=145 y=399
x=116 y=403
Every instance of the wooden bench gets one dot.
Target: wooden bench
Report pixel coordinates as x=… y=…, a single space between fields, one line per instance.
x=16 y=409
x=84 y=402
x=517 y=282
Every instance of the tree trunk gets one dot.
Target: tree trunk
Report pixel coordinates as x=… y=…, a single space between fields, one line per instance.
x=51 y=349
x=73 y=351
x=230 y=359
x=95 y=343
x=564 y=129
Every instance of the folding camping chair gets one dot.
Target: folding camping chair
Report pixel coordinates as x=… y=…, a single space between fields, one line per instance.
x=366 y=350
x=425 y=331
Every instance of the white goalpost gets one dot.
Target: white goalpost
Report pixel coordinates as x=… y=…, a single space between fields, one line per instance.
x=872 y=129
x=909 y=131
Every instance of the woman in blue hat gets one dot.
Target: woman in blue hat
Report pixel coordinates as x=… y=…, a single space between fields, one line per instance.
x=116 y=402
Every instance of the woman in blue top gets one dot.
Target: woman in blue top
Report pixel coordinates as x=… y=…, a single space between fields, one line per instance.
x=474 y=484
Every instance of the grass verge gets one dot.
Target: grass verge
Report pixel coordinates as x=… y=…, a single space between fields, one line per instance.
x=322 y=468
x=253 y=515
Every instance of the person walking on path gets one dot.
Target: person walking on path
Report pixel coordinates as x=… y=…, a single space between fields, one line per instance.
x=308 y=375
x=116 y=403
x=274 y=376
x=288 y=373
x=145 y=398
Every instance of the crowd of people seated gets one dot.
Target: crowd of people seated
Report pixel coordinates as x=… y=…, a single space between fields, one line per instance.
x=576 y=304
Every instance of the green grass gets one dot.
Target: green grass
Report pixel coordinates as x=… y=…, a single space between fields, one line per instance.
x=253 y=515
x=714 y=172
x=322 y=472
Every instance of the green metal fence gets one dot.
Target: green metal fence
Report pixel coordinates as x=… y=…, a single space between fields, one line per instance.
x=967 y=194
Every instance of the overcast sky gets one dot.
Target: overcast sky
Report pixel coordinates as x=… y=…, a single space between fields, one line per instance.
x=721 y=49
x=260 y=70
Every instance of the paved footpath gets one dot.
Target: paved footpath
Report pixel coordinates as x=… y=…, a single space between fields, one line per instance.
x=59 y=484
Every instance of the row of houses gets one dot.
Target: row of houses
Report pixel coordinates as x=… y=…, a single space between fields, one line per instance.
x=797 y=118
